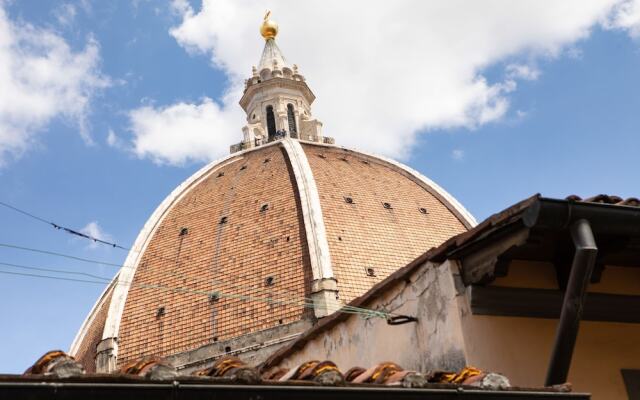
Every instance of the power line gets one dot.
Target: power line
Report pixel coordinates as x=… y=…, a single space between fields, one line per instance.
x=61 y=227
x=59 y=271
x=369 y=313
x=49 y=277
x=86 y=236
x=280 y=293
x=53 y=253
x=28 y=214
x=173 y=274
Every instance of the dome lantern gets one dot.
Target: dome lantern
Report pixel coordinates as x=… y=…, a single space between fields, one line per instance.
x=276 y=99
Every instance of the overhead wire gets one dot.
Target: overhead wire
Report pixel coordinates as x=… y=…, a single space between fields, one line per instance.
x=59 y=271
x=53 y=253
x=111 y=244
x=33 y=216
x=250 y=289
x=173 y=274
x=62 y=227
x=101 y=280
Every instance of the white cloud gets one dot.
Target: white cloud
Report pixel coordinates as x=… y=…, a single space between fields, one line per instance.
x=575 y=53
x=522 y=71
x=41 y=78
x=382 y=71
x=457 y=154
x=94 y=230
x=183 y=132
x=626 y=16
x=65 y=14
x=114 y=140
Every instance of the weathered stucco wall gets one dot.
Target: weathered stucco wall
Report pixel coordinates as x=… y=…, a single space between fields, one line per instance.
x=521 y=347
x=434 y=342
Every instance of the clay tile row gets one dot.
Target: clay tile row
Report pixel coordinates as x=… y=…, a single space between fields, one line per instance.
x=607 y=199
x=387 y=373
x=58 y=364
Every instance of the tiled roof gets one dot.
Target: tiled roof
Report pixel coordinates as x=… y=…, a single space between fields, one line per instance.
x=59 y=366
x=607 y=199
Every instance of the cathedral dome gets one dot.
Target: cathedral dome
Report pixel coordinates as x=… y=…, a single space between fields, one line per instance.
x=255 y=248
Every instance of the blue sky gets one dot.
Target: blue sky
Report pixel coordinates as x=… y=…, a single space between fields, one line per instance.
x=552 y=110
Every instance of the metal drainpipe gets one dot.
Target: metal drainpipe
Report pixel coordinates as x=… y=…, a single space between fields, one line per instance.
x=572 y=305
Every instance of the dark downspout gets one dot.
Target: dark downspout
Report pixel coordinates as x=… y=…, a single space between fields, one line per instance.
x=567 y=333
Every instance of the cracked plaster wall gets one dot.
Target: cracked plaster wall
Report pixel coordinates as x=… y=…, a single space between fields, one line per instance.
x=434 y=342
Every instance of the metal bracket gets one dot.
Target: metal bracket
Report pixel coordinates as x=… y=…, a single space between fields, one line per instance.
x=401 y=319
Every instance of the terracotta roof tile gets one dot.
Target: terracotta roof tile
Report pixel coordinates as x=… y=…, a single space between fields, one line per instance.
x=232 y=369
x=607 y=199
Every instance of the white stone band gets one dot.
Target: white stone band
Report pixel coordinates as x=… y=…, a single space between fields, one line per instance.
x=311 y=211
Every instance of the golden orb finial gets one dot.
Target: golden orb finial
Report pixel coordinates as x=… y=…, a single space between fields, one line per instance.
x=269 y=28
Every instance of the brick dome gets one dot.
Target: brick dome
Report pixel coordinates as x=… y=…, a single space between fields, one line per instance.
x=233 y=251
x=253 y=249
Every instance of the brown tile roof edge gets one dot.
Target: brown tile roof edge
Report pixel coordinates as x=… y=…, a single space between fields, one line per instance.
x=438 y=254
x=57 y=370
x=126 y=378
x=87 y=386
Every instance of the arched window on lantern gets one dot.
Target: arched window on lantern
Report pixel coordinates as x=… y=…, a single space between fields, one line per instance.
x=271 y=123
x=291 y=117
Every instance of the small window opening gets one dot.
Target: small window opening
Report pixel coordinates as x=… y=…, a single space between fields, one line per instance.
x=184 y=231
x=343 y=159
x=271 y=123
x=264 y=207
x=220 y=174
x=280 y=321
x=161 y=311
x=365 y=162
x=423 y=210
x=227 y=349
x=215 y=338
x=266 y=160
x=253 y=116
x=322 y=156
x=223 y=220
x=348 y=200
x=370 y=271
x=243 y=167
x=213 y=297
x=269 y=281
x=287 y=238
x=340 y=238
x=387 y=206
x=291 y=119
